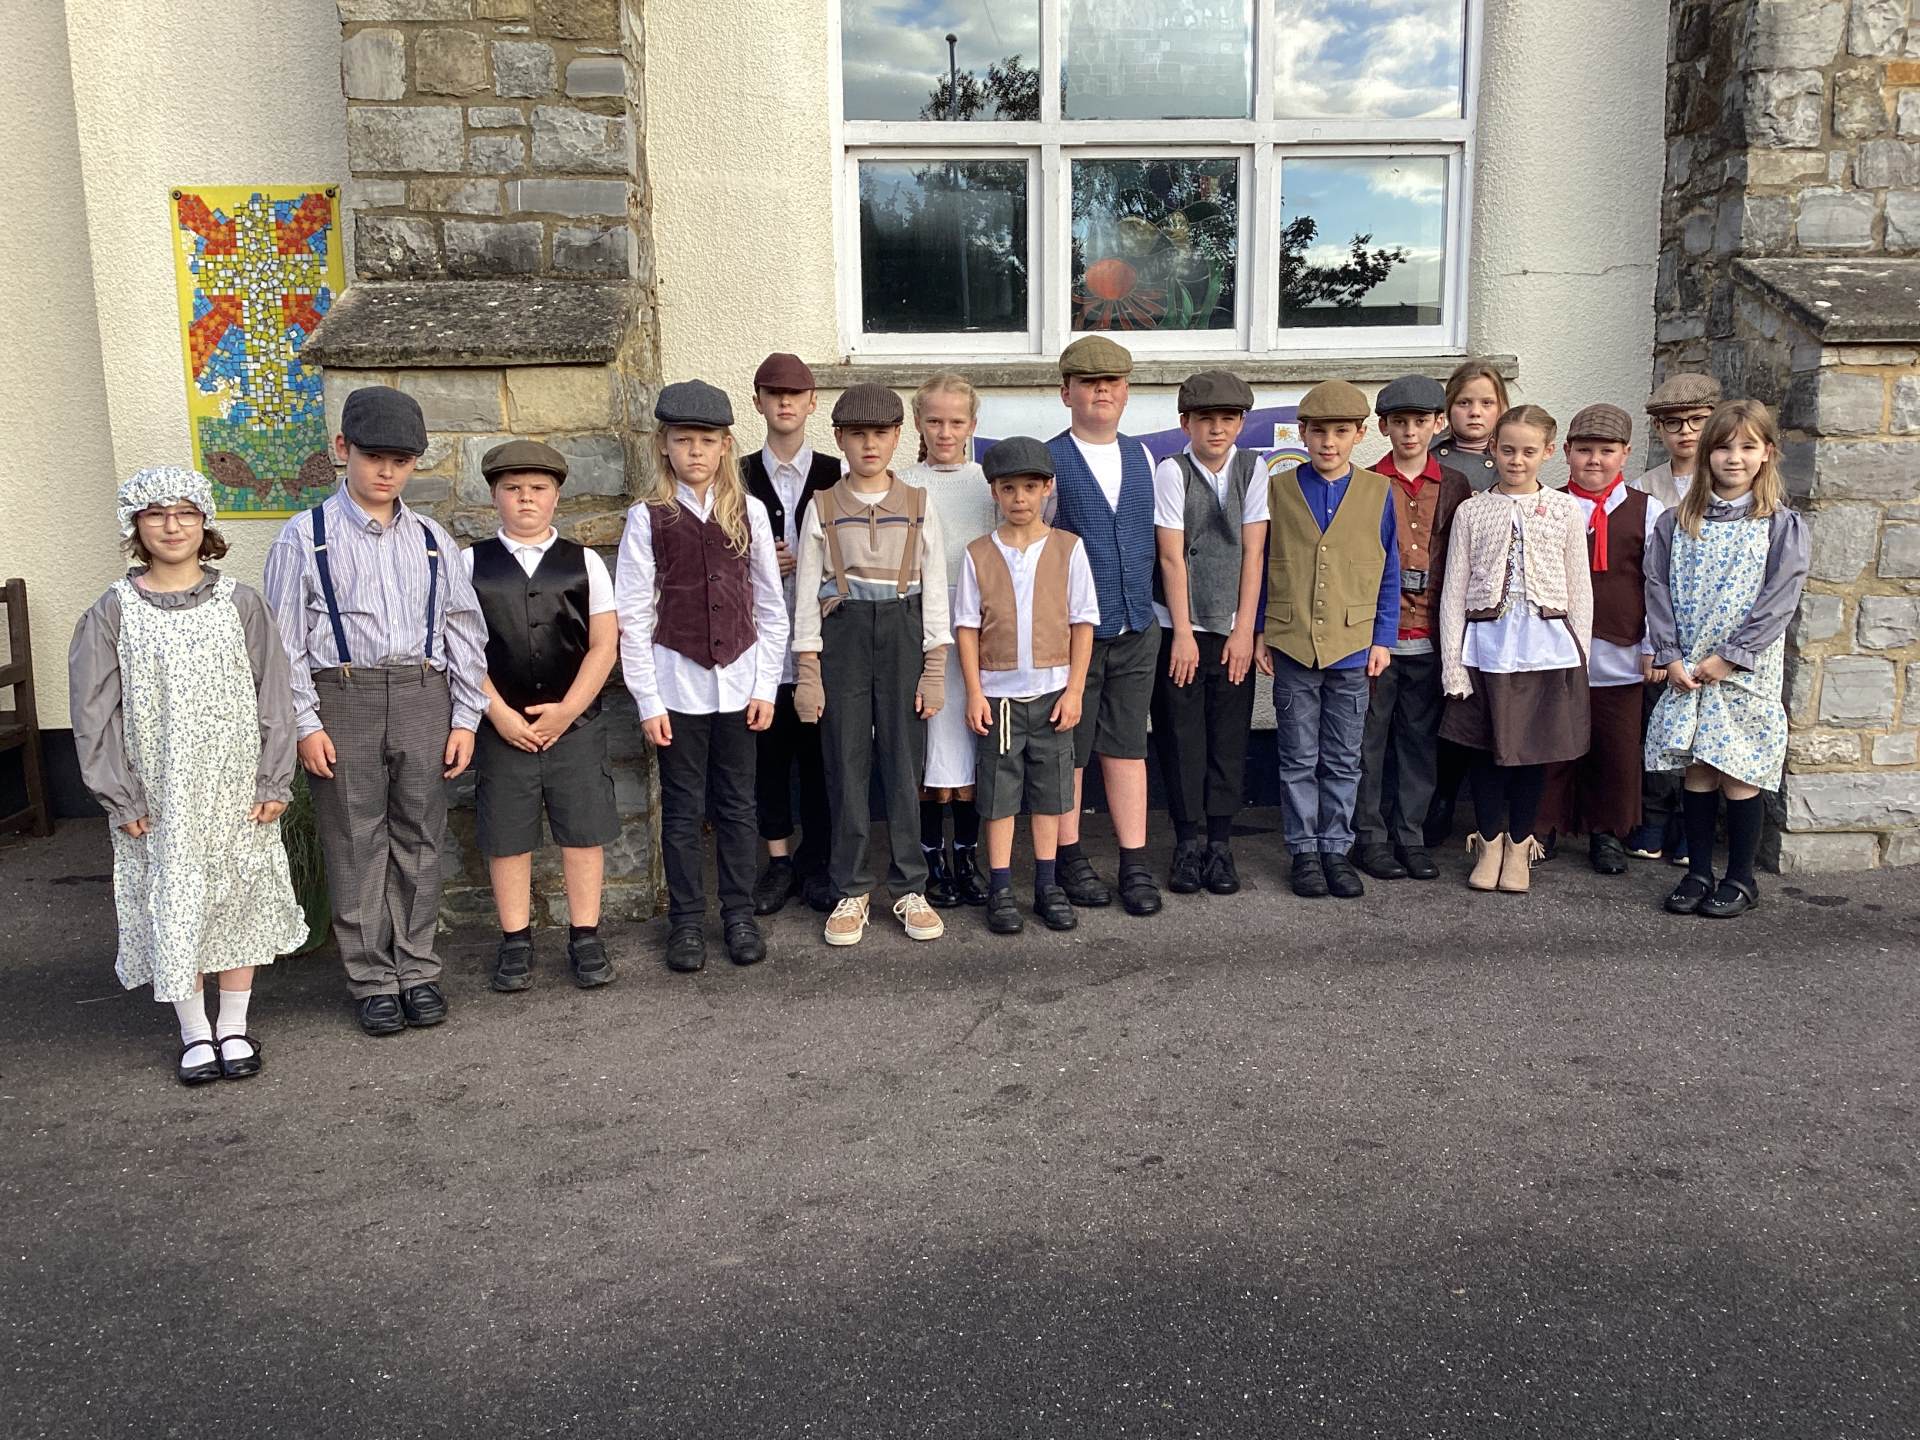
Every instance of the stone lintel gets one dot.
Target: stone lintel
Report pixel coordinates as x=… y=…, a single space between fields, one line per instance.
x=447 y=323
x=1842 y=301
x=1045 y=374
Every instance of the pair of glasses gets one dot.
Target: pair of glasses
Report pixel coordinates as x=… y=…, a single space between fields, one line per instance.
x=1682 y=424
x=186 y=519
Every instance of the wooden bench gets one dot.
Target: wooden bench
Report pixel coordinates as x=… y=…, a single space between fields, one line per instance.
x=20 y=726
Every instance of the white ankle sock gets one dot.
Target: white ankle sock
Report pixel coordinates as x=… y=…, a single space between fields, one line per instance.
x=233 y=1024
x=195 y=1028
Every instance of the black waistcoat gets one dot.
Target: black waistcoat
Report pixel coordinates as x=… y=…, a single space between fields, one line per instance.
x=536 y=624
x=824 y=474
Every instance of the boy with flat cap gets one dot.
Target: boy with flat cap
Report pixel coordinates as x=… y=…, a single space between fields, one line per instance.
x=1210 y=524
x=552 y=640
x=387 y=646
x=784 y=475
x=1103 y=492
x=1399 y=753
x=1333 y=615
x=870 y=642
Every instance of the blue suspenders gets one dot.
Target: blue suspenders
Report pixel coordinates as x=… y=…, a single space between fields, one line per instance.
x=319 y=513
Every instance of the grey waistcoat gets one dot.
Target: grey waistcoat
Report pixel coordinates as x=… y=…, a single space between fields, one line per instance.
x=1213 y=542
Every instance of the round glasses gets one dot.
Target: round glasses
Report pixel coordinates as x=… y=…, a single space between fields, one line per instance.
x=1682 y=424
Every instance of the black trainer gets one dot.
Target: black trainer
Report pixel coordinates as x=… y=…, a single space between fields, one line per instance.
x=1309 y=878
x=1379 y=861
x=1003 y=913
x=1138 y=892
x=512 y=966
x=423 y=1005
x=775 y=884
x=1056 y=912
x=1419 y=864
x=1342 y=879
x=1188 y=875
x=1221 y=876
x=1083 y=887
x=687 y=949
x=745 y=944
x=587 y=958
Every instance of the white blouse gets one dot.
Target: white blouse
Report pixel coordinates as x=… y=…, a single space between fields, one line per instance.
x=1519 y=639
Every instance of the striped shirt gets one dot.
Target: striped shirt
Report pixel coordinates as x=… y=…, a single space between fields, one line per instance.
x=380 y=581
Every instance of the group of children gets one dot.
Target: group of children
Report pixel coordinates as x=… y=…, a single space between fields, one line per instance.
x=784 y=622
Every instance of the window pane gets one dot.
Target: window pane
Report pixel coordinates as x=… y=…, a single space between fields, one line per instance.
x=1157 y=59
x=1362 y=241
x=1155 y=244
x=895 y=63
x=943 y=245
x=1383 y=59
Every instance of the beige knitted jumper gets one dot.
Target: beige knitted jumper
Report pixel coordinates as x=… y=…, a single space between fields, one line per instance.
x=1558 y=582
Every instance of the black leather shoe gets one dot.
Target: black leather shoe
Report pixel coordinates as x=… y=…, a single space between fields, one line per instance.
x=199 y=1074
x=1685 y=897
x=1549 y=848
x=1188 y=876
x=512 y=966
x=967 y=880
x=1221 y=876
x=380 y=1015
x=942 y=894
x=1056 y=912
x=687 y=949
x=587 y=958
x=248 y=1064
x=1309 y=878
x=1438 y=828
x=1379 y=861
x=817 y=891
x=1083 y=887
x=1138 y=893
x=1607 y=855
x=1734 y=897
x=1342 y=879
x=423 y=1005
x=1417 y=862
x=1003 y=913
x=775 y=884
x=745 y=944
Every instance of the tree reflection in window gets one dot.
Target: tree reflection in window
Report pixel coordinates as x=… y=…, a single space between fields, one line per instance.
x=1154 y=243
x=943 y=246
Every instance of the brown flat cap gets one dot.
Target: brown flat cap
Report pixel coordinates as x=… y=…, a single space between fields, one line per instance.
x=1334 y=400
x=1685 y=392
x=1215 y=390
x=781 y=371
x=523 y=455
x=868 y=405
x=1602 y=422
x=1094 y=355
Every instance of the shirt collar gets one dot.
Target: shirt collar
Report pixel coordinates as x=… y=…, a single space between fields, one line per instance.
x=802 y=461
x=1718 y=508
x=1385 y=466
x=538 y=547
x=683 y=493
x=1306 y=469
x=1225 y=465
x=360 y=519
x=894 y=502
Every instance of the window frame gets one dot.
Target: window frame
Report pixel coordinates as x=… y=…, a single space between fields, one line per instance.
x=1262 y=144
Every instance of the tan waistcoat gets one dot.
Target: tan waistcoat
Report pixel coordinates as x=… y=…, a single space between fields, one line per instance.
x=1323 y=589
x=1000 y=614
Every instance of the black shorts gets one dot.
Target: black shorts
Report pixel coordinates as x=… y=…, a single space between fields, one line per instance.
x=1113 y=715
x=572 y=783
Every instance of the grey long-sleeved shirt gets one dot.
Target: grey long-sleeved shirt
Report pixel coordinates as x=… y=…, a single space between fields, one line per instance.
x=1788 y=551
x=99 y=729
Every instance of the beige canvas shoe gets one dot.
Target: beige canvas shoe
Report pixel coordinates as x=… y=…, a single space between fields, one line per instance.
x=1486 y=869
x=923 y=922
x=848 y=922
x=1516 y=866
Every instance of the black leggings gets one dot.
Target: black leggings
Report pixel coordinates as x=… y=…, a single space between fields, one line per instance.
x=1505 y=796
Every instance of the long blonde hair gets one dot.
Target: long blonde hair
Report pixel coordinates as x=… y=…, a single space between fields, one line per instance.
x=947 y=382
x=1727 y=421
x=729 y=491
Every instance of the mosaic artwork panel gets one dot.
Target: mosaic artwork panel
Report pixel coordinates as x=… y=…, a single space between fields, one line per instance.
x=255 y=268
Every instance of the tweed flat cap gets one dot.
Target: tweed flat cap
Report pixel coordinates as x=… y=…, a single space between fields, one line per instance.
x=1421 y=393
x=378 y=417
x=1685 y=392
x=1094 y=355
x=1602 y=422
x=1017 y=455
x=1334 y=400
x=694 y=402
x=868 y=406
x=523 y=455
x=1215 y=390
x=781 y=371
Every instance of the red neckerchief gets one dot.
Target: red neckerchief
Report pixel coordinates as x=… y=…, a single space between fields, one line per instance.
x=1597 y=521
x=1385 y=466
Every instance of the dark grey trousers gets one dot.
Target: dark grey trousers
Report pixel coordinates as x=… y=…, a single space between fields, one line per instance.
x=870 y=659
x=1398 y=755
x=707 y=772
x=382 y=818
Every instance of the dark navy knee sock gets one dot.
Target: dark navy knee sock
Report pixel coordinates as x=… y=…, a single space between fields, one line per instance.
x=1700 y=809
x=1745 y=818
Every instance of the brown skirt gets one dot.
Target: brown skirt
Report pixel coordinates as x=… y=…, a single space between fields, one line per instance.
x=1534 y=718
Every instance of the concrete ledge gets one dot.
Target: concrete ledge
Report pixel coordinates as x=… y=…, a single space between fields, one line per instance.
x=447 y=323
x=905 y=373
x=1842 y=301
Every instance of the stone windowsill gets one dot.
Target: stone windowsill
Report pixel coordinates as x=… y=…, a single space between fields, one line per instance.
x=904 y=373
x=383 y=324
x=1843 y=302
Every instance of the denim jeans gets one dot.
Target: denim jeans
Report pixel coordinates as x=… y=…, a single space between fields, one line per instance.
x=1320 y=720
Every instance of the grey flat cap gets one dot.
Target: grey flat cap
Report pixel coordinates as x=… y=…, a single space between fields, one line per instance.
x=1017 y=455
x=1215 y=390
x=868 y=406
x=1412 y=392
x=1685 y=392
x=378 y=417
x=694 y=402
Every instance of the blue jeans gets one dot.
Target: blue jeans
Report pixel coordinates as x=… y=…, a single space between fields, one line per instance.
x=1320 y=720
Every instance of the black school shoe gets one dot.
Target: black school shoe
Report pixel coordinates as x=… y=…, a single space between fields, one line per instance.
x=1685 y=897
x=1003 y=913
x=423 y=1005
x=1308 y=878
x=1188 y=874
x=1606 y=854
x=1343 y=881
x=817 y=891
x=1082 y=886
x=1734 y=897
x=687 y=949
x=745 y=944
x=1379 y=861
x=942 y=893
x=1438 y=827
x=381 y=1015
x=248 y=1064
x=512 y=966
x=587 y=958
x=1138 y=893
x=1417 y=862
x=1222 y=878
x=1056 y=912
x=967 y=880
x=199 y=1074
x=775 y=884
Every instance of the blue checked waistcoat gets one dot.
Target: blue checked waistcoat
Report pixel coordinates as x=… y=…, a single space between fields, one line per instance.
x=1119 y=540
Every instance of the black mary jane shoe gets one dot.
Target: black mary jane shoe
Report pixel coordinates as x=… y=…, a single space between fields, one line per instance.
x=1607 y=855
x=1379 y=861
x=967 y=881
x=1733 y=897
x=1003 y=913
x=687 y=949
x=248 y=1064
x=423 y=1005
x=1083 y=887
x=775 y=884
x=512 y=966
x=1138 y=893
x=1417 y=862
x=199 y=1074
x=1309 y=879
x=1685 y=898
x=1343 y=881
x=1188 y=873
x=381 y=1015
x=745 y=944
x=1056 y=912
x=1222 y=877
x=942 y=893
x=587 y=958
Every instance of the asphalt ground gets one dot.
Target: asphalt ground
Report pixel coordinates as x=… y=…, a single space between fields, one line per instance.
x=1427 y=1164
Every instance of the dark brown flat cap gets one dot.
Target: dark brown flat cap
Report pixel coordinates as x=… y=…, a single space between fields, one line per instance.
x=1334 y=400
x=781 y=371
x=1602 y=422
x=1685 y=392
x=523 y=455
x=1215 y=390
x=868 y=405
x=1092 y=356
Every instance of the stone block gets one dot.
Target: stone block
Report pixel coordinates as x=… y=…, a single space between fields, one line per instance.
x=522 y=68
x=439 y=447
x=1904 y=414
x=455 y=400
x=596 y=75
x=394 y=247
x=1826 y=854
x=578 y=19
x=559 y=397
x=596 y=464
x=1848 y=404
x=1853 y=800
x=1697 y=235
x=1843 y=541
x=1856 y=690
x=1785 y=109
x=1910 y=707
x=1820 y=617
x=495 y=117
x=1903 y=220
x=429 y=489
x=1902 y=747
x=1833 y=219
x=1901 y=847
x=1865 y=470
x=1900 y=552
x=1859 y=105
x=415 y=137
x=1784 y=167
x=1800 y=678
x=404 y=9
x=456 y=197
x=373 y=65
x=593 y=250
x=1888 y=622
x=566 y=141
x=502 y=9
x=479 y=248
x=1766 y=223
x=1881 y=163
x=1877 y=27
x=1906 y=115
x=595 y=528
x=449 y=62
x=470 y=486
x=569 y=197
x=375 y=194
x=1809 y=749
x=1793 y=34
x=496 y=154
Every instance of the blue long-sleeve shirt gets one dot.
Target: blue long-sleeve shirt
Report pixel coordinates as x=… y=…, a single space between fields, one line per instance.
x=1323 y=499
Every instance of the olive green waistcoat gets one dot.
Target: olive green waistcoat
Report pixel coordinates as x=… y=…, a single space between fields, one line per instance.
x=1323 y=590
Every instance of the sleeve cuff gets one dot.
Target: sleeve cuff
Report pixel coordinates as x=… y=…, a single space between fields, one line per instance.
x=266 y=792
x=1734 y=655
x=1665 y=656
x=126 y=816
x=308 y=723
x=466 y=718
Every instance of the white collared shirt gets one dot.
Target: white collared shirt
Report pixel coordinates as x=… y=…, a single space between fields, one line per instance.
x=531 y=553
x=789 y=480
x=1024 y=681
x=662 y=679
x=1170 y=503
x=1608 y=663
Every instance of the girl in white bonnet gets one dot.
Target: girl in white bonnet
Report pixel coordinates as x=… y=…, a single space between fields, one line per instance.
x=183 y=717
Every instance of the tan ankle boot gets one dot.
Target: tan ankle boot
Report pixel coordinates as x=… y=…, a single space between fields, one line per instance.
x=1486 y=869
x=1516 y=867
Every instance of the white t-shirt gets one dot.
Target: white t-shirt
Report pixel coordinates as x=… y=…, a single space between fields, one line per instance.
x=599 y=582
x=1105 y=463
x=1024 y=682
x=1608 y=663
x=1170 y=503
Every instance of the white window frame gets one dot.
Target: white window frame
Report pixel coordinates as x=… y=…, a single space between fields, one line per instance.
x=1050 y=144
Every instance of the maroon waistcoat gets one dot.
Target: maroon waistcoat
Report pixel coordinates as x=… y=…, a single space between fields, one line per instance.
x=1619 y=596
x=703 y=592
